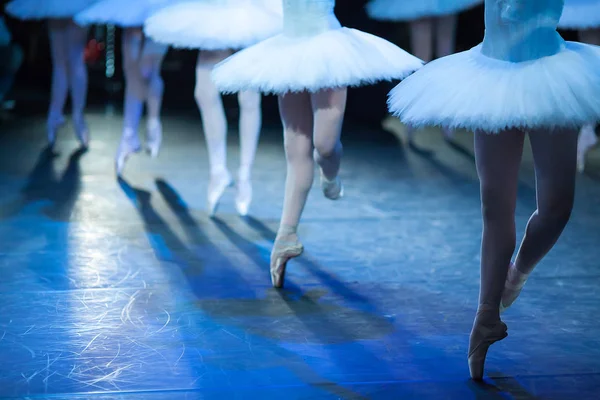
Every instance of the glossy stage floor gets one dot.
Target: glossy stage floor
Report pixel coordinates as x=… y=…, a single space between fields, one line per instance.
x=126 y=289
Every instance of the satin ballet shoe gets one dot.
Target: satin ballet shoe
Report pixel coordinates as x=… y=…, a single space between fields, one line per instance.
x=82 y=132
x=587 y=140
x=129 y=145
x=216 y=188
x=52 y=126
x=482 y=337
x=154 y=137
x=515 y=280
x=283 y=251
x=332 y=189
x=243 y=198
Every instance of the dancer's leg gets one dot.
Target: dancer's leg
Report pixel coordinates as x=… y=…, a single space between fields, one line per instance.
x=78 y=79
x=59 y=45
x=498 y=157
x=554 y=155
x=445 y=40
x=135 y=93
x=150 y=64
x=214 y=123
x=587 y=136
x=250 y=124
x=297 y=118
x=328 y=109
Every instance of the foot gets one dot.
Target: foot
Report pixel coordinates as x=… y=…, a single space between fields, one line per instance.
x=82 y=132
x=154 y=137
x=485 y=332
x=53 y=125
x=218 y=183
x=129 y=145
x=515 y=280
x=286 y=247
x=244 y=196
x=332 y=189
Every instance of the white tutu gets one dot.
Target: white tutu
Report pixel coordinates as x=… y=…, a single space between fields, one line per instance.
x=335 y=58
x=36 y=9
x=407 y=10
x=580 y=14
x=124 y=13
x=469 y=90
x=212 y=26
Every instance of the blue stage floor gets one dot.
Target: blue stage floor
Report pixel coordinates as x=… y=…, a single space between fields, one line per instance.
x=126 y=289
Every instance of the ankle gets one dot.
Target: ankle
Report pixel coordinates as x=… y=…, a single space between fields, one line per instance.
x=286 y=231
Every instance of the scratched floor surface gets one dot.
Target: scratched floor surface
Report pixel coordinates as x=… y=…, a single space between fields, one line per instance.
x=126 y=289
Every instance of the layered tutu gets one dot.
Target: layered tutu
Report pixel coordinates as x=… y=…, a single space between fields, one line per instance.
x=580 y=14
x=469 y=90
x=212 y=26
x=406 y=10
x=338 y=57
x=44 y=9
x=124 y=13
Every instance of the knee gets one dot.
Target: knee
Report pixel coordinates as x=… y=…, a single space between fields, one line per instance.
x=249 y=101
x=326 y=147
x=558 y=211
x=496 y=206
x=205 y=97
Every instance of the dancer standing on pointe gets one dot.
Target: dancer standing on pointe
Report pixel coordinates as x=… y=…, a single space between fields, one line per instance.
x=583 y=16
x=309 y=67
x=142 y=60
x=524 y=79
x=67 y=47
x=218 y=28
x=432 y=31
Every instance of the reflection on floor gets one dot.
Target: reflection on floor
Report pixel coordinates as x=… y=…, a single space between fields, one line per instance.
x=126 y=286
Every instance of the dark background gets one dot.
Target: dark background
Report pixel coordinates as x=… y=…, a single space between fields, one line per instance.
x=365 y=105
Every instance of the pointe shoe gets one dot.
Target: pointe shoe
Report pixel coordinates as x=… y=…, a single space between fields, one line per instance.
x=244 y=196
x=53 y=125
x=282 y=252
x=587 y=140
x=216 y=188
x=82 y=132
x=515 y=280
x=332 y=189
x=129 y=145
x=154 y=137
x=482 y=337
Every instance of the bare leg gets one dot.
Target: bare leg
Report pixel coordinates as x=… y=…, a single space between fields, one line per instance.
x=150 y=64
x=554 y=155
x=59 y=51
x=498 y=157
x=78 y=79
x=445 y=35
x=328 y=110
x=135 y=93
x=297 y=118
x=214 y=123
x=587 y=136
x=250 y=124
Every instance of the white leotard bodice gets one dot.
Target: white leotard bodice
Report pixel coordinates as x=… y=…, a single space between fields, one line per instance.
x=522 y=30
x=308 y=17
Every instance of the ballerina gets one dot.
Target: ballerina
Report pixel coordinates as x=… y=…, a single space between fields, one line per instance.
x=218 y=29
x=67 y=47
x=142 y=60
x=583 y=16
x=309 y=66
x=524 y=79
x=431 y=22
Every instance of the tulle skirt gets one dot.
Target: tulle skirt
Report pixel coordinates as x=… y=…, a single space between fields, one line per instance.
x=212 y=26
x=45 y=9
x=407 y=10
x=123 y=13
x=580 y=14
x=471 y=91
x=336 y=58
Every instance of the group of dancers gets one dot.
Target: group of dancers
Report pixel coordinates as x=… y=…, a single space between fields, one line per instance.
x=522 y=80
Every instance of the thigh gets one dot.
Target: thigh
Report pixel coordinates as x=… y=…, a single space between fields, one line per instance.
x=59 y=40
x=555 y=158
x=297 y=120
x=498 y=159
x=328 y=107
x=209 y=58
